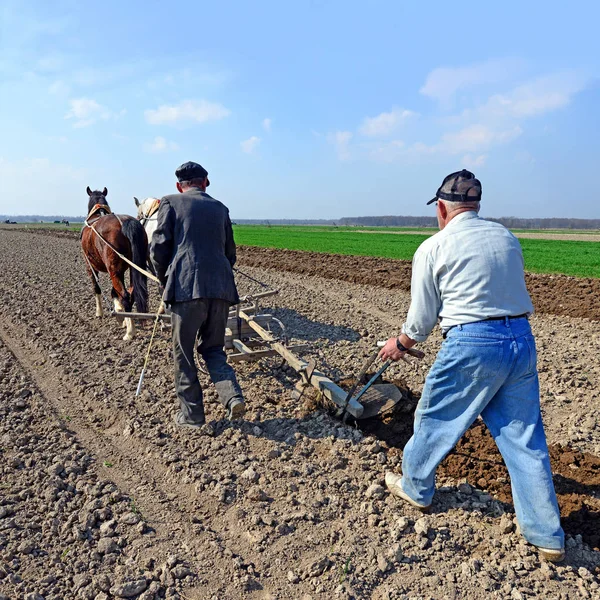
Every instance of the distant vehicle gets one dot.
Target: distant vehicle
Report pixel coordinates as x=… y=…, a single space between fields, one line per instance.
x=9 y=222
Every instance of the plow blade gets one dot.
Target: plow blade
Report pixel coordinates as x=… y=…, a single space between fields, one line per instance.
x=379 y=399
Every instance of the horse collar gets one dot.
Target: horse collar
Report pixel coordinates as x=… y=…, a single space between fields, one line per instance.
x=97 y=208
x=153 y=208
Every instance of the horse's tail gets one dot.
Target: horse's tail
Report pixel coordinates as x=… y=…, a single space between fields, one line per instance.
x=132 y=229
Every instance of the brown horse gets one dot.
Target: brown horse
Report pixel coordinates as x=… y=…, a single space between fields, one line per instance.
x=103 y=233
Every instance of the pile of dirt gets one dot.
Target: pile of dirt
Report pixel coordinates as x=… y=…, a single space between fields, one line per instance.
x=551 y=294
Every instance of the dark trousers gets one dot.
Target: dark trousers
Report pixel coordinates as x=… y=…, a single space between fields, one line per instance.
x=204 y=319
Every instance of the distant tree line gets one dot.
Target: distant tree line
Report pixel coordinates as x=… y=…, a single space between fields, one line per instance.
x=389 y=221
x=285 y=222
x=510 y=222
x=384 y=221
x=41 y=218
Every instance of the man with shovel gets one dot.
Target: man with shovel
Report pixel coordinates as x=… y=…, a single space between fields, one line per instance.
x=193 y=253
x=470 y=276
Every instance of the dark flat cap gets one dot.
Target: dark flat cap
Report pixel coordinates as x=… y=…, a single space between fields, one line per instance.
x=461 y=186
x=190 y=170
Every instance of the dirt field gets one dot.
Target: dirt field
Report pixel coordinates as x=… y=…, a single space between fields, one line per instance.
x=102 y=497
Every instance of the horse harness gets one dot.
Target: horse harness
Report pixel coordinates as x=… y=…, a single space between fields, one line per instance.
x=98 y=208
x=149 y=216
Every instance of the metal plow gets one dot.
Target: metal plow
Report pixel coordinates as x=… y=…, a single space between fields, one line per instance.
x=252 y=334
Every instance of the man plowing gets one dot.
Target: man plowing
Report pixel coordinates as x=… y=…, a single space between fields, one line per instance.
x=470 y=276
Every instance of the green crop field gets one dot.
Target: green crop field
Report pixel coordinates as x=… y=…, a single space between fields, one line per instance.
x=576 y=258
x=579 y=259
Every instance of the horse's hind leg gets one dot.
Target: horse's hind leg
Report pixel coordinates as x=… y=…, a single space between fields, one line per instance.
x=122 y=300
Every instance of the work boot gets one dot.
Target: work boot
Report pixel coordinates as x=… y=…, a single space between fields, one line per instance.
x=551 y=554
x=181 y=421
x=393 y=484
x=235 y=409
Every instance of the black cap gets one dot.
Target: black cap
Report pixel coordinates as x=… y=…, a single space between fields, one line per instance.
x=459 y=187
x=190 y=170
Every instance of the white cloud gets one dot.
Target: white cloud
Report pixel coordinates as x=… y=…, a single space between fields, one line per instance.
x=160 y=144
x=442 y=83
x=267 y=124
x=495 y=121
x=248 y=146
x=476 y=138
x=86 y=111
x=194 y=111
x=384 y=123
x=536 y=97
x=472 y=162
x=341 y=141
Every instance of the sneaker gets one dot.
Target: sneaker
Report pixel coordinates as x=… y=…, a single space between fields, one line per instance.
x=181 y=421
x=392 y=482
x=235 y=409
x=552 y=554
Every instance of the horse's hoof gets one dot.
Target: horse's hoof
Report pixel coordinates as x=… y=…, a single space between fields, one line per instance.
x=127 y=337
x=99 y=315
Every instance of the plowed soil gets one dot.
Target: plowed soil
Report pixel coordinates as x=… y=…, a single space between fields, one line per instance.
x=576 y=474
x=551 y=294
x=102 y=496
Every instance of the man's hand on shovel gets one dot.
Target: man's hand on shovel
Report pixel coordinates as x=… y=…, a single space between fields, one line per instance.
x=393 y=349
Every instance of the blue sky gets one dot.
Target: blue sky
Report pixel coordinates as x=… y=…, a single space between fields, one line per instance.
x=306 y=109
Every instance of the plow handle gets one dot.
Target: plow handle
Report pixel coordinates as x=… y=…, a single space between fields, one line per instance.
x=412 y=351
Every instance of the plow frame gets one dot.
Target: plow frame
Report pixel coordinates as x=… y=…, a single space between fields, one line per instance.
x=249 y=333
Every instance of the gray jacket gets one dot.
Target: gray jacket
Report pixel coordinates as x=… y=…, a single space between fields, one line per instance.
x=192 y=249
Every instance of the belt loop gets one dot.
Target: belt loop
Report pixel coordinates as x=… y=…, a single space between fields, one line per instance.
x=507 y=321
x=460 y=327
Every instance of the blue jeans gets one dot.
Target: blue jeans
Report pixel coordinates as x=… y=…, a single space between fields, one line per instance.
x=488 y=368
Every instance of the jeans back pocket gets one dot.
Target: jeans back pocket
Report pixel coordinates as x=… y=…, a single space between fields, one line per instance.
x=479 y=358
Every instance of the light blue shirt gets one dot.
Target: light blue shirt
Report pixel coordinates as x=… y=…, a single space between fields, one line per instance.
x=469 y=271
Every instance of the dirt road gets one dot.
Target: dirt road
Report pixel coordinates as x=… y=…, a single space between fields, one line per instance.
x=101 y=496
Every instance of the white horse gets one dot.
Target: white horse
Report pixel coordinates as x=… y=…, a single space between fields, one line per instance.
x=147 y=214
